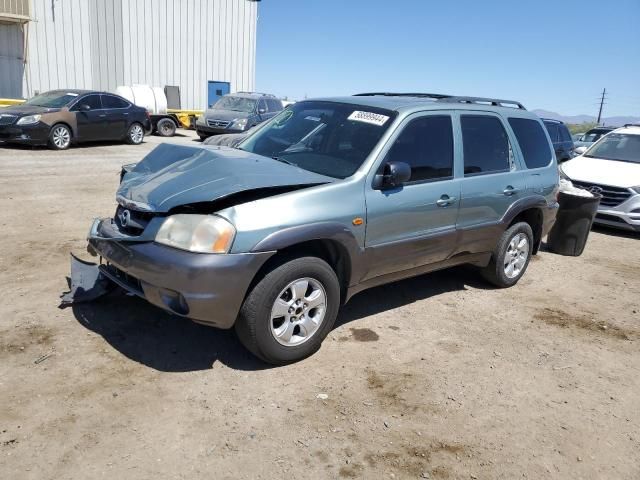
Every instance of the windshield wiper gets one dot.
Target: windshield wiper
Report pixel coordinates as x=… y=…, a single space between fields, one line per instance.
x=280 y=159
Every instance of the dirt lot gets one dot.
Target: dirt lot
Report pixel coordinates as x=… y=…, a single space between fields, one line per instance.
x=436 y=377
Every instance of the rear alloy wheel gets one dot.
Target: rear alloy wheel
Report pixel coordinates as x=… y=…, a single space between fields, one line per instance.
x=511 y=256
x=60 y=137
x=290 y=311
x=135 y=135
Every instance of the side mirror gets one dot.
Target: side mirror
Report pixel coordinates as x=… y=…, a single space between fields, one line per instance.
x=262 y=110
x=579 y=150
x=84 y=107
x=393 y=175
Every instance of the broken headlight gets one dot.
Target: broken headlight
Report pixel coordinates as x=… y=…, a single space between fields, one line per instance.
x=197 y=233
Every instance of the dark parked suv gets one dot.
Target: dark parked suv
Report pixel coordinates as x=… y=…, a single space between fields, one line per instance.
x=237 y=112
x=61 y=117
x=561 y=139
x=329 y=198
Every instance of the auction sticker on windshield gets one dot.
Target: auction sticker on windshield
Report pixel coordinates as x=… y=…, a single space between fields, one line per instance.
x=368 y=117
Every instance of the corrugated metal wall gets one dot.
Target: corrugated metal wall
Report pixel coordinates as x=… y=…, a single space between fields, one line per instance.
x=100 y=44
x=11 y=60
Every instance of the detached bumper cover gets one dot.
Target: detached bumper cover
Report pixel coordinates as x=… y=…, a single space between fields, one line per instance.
x=208 y=288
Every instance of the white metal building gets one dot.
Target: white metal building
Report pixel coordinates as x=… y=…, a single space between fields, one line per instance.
x=101 y=44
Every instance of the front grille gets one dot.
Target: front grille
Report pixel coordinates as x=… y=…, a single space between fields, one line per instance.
x=126 y=281
x=131 y=222
x=611 y=196
x=218 y=123
x=6 y=119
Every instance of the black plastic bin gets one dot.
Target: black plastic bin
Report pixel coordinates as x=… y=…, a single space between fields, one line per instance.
x=569 y=234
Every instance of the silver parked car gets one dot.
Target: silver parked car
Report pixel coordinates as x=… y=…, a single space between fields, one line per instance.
x=331 y=197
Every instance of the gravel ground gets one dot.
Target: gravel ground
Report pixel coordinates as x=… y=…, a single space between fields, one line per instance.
x=435 y=377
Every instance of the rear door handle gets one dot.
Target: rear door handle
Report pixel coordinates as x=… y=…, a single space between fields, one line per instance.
x=103 y=115
x=445 y=201
x=510 y=190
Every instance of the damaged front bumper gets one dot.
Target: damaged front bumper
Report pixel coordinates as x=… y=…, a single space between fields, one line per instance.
x=207 y=288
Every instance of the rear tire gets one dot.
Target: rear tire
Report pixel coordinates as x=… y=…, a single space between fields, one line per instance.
x=511 y=256
x=135 y=134
x=203 y=137
x=290 y=311
x=59 y=137
x=166 y=127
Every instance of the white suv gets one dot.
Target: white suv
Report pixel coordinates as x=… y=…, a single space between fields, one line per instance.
x=613 y=164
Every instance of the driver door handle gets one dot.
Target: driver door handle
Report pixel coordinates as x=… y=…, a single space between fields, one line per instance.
x=445 y=201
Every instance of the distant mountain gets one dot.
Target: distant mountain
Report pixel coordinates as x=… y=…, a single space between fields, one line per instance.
x=609 y=121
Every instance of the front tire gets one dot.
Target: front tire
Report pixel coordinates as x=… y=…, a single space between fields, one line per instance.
x=60 y=137
x=135 y=134
x=290 y=311
x=511 y=256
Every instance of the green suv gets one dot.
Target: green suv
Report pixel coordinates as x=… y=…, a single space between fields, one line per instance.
x=330 y=197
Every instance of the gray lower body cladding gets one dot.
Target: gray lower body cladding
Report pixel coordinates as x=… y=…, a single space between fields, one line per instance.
x=206 y=288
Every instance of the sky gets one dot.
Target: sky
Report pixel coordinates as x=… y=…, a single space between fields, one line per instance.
x=555 y=55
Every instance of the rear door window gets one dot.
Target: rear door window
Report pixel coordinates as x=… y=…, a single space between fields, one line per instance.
x=565 y=136
x=485 y=145
x=109 y=101
x=533 y=142
x=426 y=144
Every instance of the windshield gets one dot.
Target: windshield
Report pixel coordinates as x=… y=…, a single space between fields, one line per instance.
x=236 y=104
x=617 y=146
x=51 y=99
x=594 y=135
x=331 y=139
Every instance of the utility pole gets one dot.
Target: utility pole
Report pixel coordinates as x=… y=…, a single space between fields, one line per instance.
x=604 y=92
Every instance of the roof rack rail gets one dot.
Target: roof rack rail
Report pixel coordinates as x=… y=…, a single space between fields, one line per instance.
x=259 y=93
x=440 y=97
x=496 y=102
x=392 y=94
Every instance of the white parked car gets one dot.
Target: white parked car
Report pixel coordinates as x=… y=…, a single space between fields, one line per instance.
x=613 y=164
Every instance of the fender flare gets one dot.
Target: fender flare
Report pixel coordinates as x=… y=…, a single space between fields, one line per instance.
x=519 y=206
x=332 y=231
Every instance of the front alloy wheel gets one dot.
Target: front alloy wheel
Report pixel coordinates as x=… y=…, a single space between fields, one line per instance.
x=298 y=311
x=60 y=137
x=290 y=310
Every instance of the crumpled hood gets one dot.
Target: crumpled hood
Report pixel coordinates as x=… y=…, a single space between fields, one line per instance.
x=175 y=175
x=21 y=110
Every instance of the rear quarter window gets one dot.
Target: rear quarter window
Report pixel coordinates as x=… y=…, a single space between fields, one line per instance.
x=552 y=128
x=533 y=142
